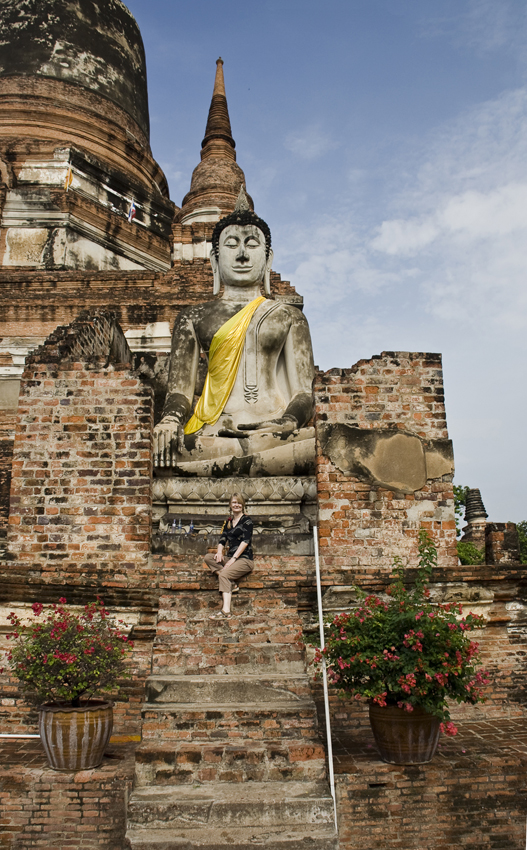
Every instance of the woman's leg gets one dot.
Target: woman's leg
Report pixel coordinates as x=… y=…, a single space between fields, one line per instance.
x=214 y=565
x=228 y=575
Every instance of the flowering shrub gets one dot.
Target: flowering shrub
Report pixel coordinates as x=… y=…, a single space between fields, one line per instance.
x=407 y=651
x=64 y=656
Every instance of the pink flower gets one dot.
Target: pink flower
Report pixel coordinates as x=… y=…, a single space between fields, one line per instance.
x=448 y=728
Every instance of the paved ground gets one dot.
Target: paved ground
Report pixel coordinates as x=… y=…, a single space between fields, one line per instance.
x=349 y=749
x=352 y=751
x=29 y=752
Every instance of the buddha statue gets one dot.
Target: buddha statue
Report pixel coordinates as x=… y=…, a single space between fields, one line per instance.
x=252 y=416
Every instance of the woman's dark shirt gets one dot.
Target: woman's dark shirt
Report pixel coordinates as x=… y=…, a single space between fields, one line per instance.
x=242 y=532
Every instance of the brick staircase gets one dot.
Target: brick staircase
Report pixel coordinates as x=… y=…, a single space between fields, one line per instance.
x=230 y=753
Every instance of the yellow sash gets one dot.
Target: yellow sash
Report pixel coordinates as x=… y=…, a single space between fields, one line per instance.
x=224 y=359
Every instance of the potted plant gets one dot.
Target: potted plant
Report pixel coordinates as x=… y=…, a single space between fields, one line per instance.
x=63 y=659
x=408 y=657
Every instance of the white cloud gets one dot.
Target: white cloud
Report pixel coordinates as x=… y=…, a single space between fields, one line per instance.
x=482 y=25
x=445 y=271
x=309 y=143
x=470 y=215
x=463 y=222
x=405 y=237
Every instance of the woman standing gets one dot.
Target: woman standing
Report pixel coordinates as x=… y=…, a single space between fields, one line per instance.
x=235 y=539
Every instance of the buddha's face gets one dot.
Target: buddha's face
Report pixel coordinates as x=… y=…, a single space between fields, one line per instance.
x=241 y=258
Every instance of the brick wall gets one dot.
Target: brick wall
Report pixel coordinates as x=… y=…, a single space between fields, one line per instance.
x=80 y=492
x=501 y=543
x=33 y=303
x=362 y=525
x=44 y=808
x=7 y=426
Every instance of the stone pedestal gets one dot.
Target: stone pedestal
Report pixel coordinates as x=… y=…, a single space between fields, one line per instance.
x=189 y=512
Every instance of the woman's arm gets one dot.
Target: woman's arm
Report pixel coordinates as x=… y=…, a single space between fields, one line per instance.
x=241 y=548
x=247 y=532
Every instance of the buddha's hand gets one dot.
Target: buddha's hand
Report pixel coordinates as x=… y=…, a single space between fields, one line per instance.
x=168 y=441
x=284 y=425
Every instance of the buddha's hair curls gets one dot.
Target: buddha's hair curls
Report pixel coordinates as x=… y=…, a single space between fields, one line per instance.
x=241 y=217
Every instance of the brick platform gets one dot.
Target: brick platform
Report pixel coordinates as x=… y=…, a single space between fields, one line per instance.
x=40 y=807
x=472 y=794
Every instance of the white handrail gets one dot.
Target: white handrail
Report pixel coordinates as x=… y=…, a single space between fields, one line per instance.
x=325 y=676
x=17 y=735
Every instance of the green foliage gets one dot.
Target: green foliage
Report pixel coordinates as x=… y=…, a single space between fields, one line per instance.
x=406 y=651
x=522 y=535
x=460 y=498
x=63 y=656
x=468 y=553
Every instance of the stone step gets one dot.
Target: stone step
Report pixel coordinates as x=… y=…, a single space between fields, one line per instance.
x=230 y=804
x=261 y=634
x=235 y=838
x=244 y=615
x=271 y=574
x=225 y=652
x=189 y=721
x=191 y=603
x=242 y=760
x=280 y=626
x=238 y=689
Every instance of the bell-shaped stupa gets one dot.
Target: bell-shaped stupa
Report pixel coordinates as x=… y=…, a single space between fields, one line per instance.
x=217 y=179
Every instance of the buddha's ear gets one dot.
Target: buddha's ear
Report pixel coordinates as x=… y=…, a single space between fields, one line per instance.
x=267 y=275
x=215 y=272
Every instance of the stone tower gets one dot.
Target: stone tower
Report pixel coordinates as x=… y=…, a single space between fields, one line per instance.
x=74 y=150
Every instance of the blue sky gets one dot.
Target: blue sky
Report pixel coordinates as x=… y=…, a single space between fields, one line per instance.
x=385 y=143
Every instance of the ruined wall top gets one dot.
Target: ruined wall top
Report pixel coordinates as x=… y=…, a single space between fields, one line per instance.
x=95 y=44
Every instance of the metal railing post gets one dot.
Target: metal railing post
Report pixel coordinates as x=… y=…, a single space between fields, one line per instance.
x=325 y=676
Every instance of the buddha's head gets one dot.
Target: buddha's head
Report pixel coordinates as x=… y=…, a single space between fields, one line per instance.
x=241 y=250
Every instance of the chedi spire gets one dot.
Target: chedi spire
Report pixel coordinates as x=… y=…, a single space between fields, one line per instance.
x=218 y=128
x=474 y=507
x=217 y=179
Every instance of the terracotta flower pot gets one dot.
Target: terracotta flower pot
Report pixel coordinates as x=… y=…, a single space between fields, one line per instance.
x=404 y=737
x=75 y=738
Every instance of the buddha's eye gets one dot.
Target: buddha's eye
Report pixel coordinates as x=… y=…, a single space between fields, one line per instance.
x=253 y=242
x=231 y=242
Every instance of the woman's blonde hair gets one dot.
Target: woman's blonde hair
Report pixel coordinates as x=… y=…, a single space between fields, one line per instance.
x=239 y=498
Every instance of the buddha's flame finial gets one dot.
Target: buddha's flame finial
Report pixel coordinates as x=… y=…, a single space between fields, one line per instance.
x=242 y=203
